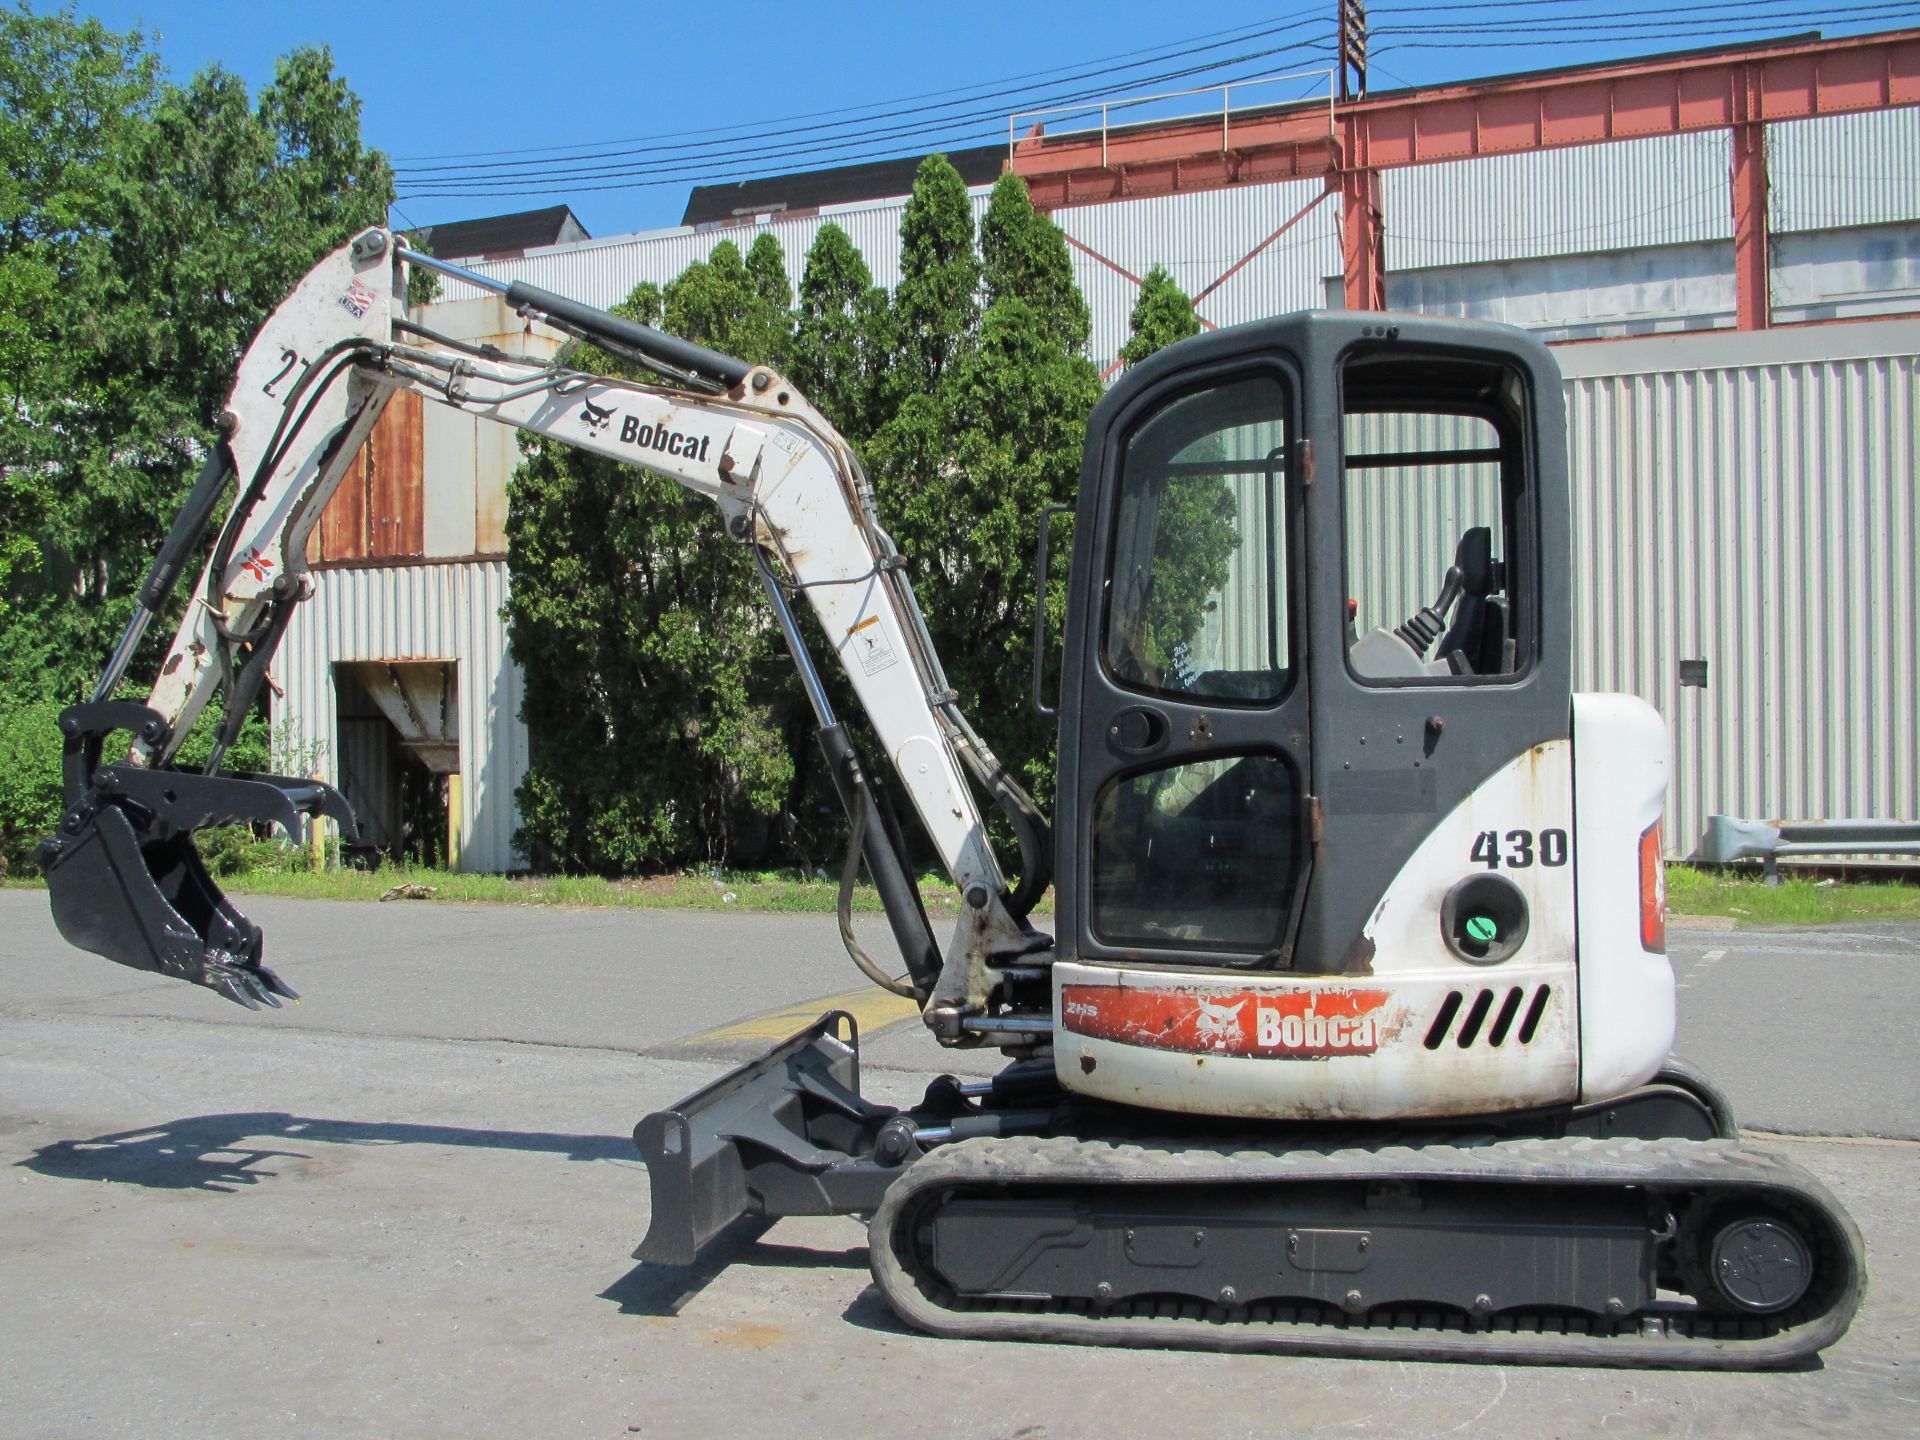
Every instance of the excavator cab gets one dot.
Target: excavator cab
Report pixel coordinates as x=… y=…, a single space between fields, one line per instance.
x=1319 y=598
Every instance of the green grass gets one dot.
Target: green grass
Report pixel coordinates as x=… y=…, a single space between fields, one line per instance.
x=1796 y=900
x=767 y=893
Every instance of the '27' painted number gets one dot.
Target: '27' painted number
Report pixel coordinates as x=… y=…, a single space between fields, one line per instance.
x=1522 y=848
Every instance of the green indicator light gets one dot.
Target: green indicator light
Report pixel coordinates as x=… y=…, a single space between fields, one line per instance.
x=1481 y=929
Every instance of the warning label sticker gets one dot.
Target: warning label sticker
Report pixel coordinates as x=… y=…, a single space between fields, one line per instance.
x=870 y=646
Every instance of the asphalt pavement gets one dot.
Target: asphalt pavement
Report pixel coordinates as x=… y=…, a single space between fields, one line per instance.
x=405 y=1207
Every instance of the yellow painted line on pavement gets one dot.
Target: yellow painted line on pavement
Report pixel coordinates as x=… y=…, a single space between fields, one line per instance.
x=871 y=1007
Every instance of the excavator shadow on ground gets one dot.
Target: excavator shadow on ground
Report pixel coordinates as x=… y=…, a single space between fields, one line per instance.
x=228 y=1152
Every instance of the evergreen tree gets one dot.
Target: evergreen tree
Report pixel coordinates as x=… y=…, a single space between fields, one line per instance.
x=966 y=466
x=1024 y=256
x=1162 y=315
x=934 y=305
x=1199 y=515
x=767 y=270
x=1017 y=421
x=839 y=339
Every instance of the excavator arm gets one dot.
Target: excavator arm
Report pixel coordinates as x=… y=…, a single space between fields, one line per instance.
x=125 y=879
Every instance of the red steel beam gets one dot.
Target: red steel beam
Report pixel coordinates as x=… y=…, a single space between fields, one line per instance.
x=1363 y=242
x=1752 y=242
x=1627 y=101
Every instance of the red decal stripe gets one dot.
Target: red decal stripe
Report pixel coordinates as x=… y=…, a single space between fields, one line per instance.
x=1301 y=1025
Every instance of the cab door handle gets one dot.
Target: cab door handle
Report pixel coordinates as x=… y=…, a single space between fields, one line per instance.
x=1138 y=730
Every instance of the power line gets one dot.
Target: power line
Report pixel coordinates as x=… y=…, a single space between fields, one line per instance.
x=1484 y=5
x=669 y=167
x=871 y=133
x=1243 y=31
x=787 y=130
x=1610 y=22
x=707 y=174
x=788 y=146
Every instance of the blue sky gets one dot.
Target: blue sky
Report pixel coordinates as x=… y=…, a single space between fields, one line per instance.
x=525 y=88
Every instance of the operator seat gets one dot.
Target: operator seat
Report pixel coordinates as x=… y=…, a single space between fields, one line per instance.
x=1479 y=630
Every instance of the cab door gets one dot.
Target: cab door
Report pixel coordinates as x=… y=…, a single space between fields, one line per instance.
x=1183 y=834
x=1442 y=654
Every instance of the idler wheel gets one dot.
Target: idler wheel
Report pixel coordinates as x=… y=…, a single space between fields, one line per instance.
x=1759 y=1266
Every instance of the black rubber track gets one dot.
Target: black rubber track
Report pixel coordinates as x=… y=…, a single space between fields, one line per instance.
x=1660 y=1338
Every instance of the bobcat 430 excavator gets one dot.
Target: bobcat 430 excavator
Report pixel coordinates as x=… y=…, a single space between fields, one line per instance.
x=1353 y=1033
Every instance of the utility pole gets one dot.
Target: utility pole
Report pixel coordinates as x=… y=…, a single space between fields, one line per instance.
x=1353 y=48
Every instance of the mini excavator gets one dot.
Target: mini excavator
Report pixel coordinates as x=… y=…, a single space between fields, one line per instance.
x=1353 y=1032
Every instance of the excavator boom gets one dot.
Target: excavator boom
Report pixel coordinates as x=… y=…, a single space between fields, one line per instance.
x=125 y=879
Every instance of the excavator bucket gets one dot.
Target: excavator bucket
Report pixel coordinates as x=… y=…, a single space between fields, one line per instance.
x=124 y=876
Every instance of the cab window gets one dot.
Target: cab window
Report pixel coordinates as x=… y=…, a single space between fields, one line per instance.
x=1198 y=601
x=1437 y=510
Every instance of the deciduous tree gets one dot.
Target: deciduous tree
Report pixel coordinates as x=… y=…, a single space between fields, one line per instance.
x=146 y=231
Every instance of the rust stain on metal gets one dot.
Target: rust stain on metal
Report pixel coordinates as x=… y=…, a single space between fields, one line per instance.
x=863 y=624
x=1359 y=957
x=379 y=510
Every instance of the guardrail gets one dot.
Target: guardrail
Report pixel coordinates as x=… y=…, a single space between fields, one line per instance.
x=1729 y=839
x=1134 y=102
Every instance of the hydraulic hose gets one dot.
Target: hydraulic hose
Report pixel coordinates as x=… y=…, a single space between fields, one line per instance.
x=849 y=874
x=891 y=877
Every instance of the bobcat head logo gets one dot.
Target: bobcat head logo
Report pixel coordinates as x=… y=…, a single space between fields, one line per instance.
x=1218 y=1022
x=594 y=417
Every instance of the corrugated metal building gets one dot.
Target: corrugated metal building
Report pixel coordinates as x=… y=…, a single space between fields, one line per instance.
x=410 y=577
x=1752 y=503
x=1748 y=501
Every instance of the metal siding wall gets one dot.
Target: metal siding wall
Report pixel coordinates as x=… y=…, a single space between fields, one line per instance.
x=1457 y=219
x=419 y=612
x=1404 y=525
x=1198 y=238
x=1620 y=196
x=1826 y=274
x=1762 y=518
x=1844 y=170
x=1577 y=297
x=605 y=272
x=1247 y=627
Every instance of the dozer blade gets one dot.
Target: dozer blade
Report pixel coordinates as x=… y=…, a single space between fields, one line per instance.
x=127 y=883
x=786 y=1134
